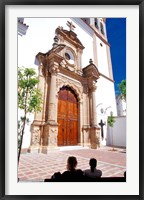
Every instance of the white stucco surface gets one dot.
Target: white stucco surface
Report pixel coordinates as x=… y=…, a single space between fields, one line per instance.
x=102 y=57
x=116 y=135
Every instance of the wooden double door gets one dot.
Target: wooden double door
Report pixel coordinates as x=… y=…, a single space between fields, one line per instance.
x=67 y=117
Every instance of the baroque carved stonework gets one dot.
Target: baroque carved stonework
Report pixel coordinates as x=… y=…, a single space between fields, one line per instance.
x=92 y=85
x=53 y=136
x=36 y=136
x=54 y=70
x=62 y=67
x=77 y=87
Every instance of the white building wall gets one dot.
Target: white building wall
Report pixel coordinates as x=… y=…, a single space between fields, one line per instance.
x=121 y=106
x=105 y=101
x=116 y=135
x=102 y=57
x=105 y=94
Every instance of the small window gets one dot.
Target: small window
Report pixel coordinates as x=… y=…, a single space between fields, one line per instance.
x=101 y=44
x=96 y=23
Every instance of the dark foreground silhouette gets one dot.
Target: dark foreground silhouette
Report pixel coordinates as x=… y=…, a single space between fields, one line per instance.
x=87 y=179
x=77 y=175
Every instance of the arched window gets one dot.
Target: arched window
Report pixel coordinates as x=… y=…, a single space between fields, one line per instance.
x=96 y=23
x=102 y=28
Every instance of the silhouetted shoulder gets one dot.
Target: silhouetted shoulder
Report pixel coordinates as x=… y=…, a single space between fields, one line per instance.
x=95 y=174
x=72 y=175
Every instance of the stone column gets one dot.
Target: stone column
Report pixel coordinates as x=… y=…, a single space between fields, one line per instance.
x=79 y=60
x=51 y=126
x=52 y=97
x=92 y=89
x=94 y=130
x=94 y=120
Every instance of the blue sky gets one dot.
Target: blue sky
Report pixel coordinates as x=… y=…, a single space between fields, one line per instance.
x=116 y=33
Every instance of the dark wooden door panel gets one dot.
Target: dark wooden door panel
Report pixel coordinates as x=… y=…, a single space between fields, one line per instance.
x=73 y=133
x=67 y=117
x=62 y=108
x=61 y=131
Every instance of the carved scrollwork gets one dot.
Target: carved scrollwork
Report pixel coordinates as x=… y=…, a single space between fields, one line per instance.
x=53 y=136
x=92 y=85
x=36 y=136
x=77 y=87
x=54 y=70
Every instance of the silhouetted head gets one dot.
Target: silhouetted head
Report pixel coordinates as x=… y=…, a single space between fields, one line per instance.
x=71 y=163
x=93 y=163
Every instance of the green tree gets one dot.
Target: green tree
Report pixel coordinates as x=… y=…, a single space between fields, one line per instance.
x=29 y=99
x=111 y=121
x=122 y=90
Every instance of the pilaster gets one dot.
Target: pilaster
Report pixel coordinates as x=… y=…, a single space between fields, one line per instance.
x=94 y=131
x=94 y=137
x=92 y=89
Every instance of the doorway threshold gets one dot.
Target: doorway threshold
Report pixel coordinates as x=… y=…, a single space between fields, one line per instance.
x=65 y=148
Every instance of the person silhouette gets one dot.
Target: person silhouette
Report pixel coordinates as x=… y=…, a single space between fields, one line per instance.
x=72 y=173
x=125 y=174
x=93 y=172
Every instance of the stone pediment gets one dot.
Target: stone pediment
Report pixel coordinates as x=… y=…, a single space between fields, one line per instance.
x=57 y=49
x=54 y=52
x=69 y=36
x=91 y=71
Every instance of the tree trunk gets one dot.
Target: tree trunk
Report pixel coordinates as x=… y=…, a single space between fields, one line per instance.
x=21 y=140
x=25 y=112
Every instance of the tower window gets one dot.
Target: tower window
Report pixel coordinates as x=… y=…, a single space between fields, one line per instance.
x=96 y=23
x=87 y=20
x=102 y=28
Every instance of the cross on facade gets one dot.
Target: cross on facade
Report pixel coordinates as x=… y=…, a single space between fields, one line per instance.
x=101 y=124
x=70 y=25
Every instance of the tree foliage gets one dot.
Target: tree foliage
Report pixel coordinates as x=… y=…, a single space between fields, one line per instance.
x=122 y=90
x=111 y=120
x=29 y=99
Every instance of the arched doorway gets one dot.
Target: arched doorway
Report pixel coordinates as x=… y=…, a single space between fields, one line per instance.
x=67 y=117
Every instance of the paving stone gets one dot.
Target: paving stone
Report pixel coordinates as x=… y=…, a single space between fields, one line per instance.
x=38 y=166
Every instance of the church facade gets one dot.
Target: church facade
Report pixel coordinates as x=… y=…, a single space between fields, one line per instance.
x=76 y=81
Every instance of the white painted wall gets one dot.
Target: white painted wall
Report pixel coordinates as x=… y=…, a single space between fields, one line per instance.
x=121 y=106
x=116 y=135
x=105 y=94
x=102 y=57
x=105 y=99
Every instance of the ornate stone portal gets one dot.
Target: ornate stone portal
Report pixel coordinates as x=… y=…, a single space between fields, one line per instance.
x=61 y=67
